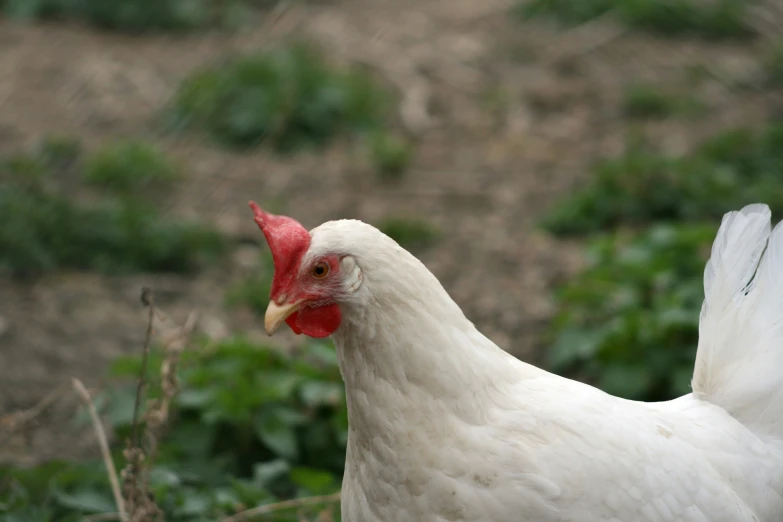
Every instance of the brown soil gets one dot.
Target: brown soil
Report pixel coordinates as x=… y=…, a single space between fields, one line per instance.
x=507 y=118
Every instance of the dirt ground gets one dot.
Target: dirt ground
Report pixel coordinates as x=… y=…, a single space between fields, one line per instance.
x=506 y=118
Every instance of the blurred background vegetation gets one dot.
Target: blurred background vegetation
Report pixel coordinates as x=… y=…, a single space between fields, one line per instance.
x=561 y=166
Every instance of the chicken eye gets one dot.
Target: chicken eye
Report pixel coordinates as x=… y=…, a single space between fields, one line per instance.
x=321 y=270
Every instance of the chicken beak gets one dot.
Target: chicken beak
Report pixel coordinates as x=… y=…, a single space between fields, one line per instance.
x=276 y=314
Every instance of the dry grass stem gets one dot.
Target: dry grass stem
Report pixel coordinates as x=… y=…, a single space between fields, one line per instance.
x=104 y=444
x=249 y=514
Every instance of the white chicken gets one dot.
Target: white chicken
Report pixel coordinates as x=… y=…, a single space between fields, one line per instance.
x=446 y=426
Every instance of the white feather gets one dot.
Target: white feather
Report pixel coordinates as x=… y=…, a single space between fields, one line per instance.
x=739 y=363
x=446 y=426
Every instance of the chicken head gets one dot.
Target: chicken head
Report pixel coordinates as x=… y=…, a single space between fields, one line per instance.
x=304 y=289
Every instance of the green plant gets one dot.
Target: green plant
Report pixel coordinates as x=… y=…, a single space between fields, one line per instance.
x=730 y=170
x=59 y=151
x=718 y=19
x=56 y=491
x=132 y=15
x=646 y=101
x=289 y=97
x=391 y=154
x=410 y=233
x=127 y=167
x=252 y=425
x=629 y=322
x=253 y=291
x=774 y=65
x=565 y=11
x=253 y=404
x=45 y=225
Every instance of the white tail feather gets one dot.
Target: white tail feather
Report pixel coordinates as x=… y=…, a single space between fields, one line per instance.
x=739 y=363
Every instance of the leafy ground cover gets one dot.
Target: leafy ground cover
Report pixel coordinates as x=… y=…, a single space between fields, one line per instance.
x=116 y=229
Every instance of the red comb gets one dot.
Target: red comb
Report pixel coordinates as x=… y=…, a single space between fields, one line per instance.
x=288 y=240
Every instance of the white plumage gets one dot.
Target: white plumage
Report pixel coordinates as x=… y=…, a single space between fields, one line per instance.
x=446 y=426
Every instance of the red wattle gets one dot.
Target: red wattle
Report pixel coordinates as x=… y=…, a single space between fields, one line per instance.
x=317 y=322
x=291 y=321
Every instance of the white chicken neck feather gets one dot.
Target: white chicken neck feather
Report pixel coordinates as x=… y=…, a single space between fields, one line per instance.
x=446 y=426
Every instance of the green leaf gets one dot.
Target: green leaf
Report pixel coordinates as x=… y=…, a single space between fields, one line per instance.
x=195 y=397
x=681 y=379
x=316 y=482
x=119 y=410
x=289 y=98
x=277 y=433
x=624 y=380
x=277 y=385
x=323 y=353
x=193 y=503
x=643 y=188
x=204 y=472
x=89 y=500
x=31 y=514
x=227 y=498
x=572 y=346
x=160 y=476
x=267 y=473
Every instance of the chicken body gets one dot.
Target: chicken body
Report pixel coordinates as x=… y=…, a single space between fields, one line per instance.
x=547 y=449
x=446 y=426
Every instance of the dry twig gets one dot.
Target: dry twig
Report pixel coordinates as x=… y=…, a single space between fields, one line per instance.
x=104 y=444
x=19 y=420
x=100 y=517
x=147 y=299
x=285 y=504
x=140 y=453
x=141 y=506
